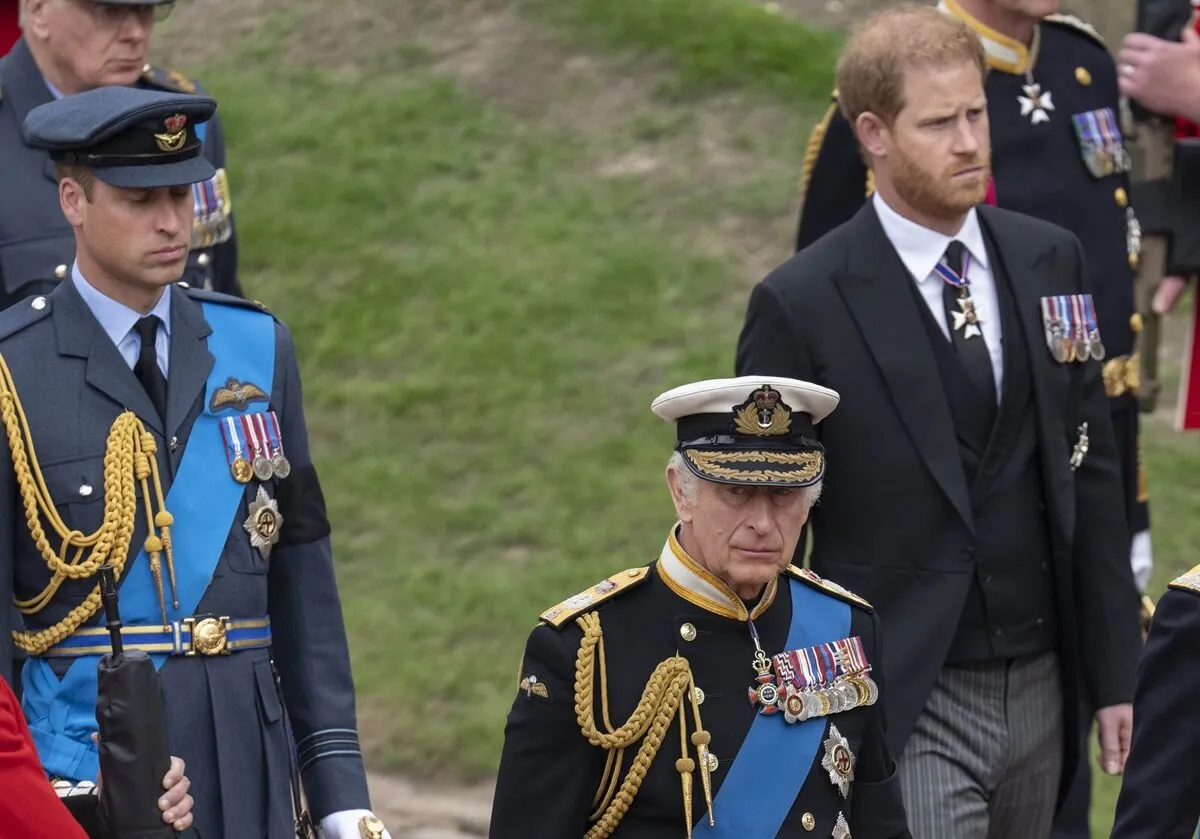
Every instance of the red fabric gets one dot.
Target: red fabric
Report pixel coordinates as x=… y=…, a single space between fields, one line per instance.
x=1185 y=130
x=9 y=30
x=1189 y=388
x=991 y=195
x=29 y=809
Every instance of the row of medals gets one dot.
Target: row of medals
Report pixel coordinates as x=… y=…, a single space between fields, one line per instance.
x=852 y=690
x=1080 y=347
x=260 y=466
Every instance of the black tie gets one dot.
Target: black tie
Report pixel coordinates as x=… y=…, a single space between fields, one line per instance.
x=147 y=370
x=973 y=351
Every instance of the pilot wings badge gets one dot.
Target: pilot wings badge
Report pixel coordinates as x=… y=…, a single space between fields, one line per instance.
x=236 y=395
x=533 y=687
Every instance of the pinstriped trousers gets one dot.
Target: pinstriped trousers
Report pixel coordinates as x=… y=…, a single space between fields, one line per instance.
x=985 y=756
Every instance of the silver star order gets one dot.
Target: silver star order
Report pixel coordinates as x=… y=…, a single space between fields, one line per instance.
x=1035 y=102
x=967 y=320
x=841 y=830
x=838 y=761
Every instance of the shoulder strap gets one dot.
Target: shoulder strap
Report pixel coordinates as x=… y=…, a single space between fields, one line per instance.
x=585 y=601
x=813 y=579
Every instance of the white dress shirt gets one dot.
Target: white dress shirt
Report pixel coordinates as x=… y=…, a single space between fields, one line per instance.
x=921 y=249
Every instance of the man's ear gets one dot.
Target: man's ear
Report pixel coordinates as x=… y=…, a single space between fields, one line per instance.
x=72 y=199
x=683 y=507
x=36 y=18
x=873 y=134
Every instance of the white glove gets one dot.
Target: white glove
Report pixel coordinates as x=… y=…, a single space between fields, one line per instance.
x=1142 y=560
x=344 y=825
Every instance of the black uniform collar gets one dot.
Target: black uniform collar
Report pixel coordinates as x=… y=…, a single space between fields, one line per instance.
x=700 y=587
x=1003 y=53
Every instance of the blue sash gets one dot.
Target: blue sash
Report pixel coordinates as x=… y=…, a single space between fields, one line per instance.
x=754 y=802
x=204 y=499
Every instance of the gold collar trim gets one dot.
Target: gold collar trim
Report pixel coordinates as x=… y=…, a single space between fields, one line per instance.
x=700 y=587
x=1004 y=53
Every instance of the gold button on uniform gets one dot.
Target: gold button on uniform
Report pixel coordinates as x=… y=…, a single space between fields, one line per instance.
x=1135 y=323
x=1083 y=76
x=699 y=696
x=1121 y=197
x=60 y=271
x=687 y=632
x=712 y=762
x=808 y=821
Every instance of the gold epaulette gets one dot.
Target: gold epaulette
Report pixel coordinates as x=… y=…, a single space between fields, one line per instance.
x=1072 y=22
x=1187 y=582
x=169 y=80
x=827 y=586
x=588 y=599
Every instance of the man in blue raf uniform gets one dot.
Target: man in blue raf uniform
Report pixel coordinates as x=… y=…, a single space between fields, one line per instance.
x=1160 y=794
x=1057 y=154
x=70 y=46
x=718 y=691
x=161 y=429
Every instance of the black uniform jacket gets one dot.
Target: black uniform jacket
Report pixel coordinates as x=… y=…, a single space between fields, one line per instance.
x=1160 y=792
x=550 y=774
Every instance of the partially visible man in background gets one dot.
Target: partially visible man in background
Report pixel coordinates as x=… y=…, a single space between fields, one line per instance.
x=67 y=47
x=1162 y=75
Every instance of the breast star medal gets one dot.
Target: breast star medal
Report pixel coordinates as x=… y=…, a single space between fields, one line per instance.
x=1036 y=103
x=967 y=319
x=841 y=830
x=838 y=761
x=264 y=523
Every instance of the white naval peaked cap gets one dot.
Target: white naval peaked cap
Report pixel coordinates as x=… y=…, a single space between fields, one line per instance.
x=721 y=396
x=750 y=430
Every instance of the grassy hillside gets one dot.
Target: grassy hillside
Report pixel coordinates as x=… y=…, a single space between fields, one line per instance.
x=484 y=314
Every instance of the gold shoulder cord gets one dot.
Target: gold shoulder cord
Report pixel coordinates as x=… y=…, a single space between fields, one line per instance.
x=813 y=149
x=661 y=699
x=128 y=457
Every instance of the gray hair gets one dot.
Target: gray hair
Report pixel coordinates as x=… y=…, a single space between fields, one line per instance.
x=689 y=482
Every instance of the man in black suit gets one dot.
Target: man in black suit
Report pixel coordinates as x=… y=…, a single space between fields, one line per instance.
x=974 y=492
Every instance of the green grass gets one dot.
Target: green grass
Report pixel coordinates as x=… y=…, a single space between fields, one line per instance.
x=481 y=333
x=482 y=324
x=710 y=43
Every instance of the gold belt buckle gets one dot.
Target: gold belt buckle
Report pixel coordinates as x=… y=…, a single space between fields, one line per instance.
x=209 y=636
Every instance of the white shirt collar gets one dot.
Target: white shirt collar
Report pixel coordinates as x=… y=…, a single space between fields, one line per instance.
x=920 y=248
x=117 y=319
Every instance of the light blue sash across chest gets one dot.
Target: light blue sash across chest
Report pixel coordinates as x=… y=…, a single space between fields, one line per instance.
x=775 y=758
x=204 y=501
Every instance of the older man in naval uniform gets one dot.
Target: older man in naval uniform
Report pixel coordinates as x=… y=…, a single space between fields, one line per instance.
x=717 y=691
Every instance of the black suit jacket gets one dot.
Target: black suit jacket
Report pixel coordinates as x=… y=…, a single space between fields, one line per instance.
x=895 y=523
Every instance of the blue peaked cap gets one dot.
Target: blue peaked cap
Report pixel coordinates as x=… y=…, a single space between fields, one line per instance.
x=130 y=137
